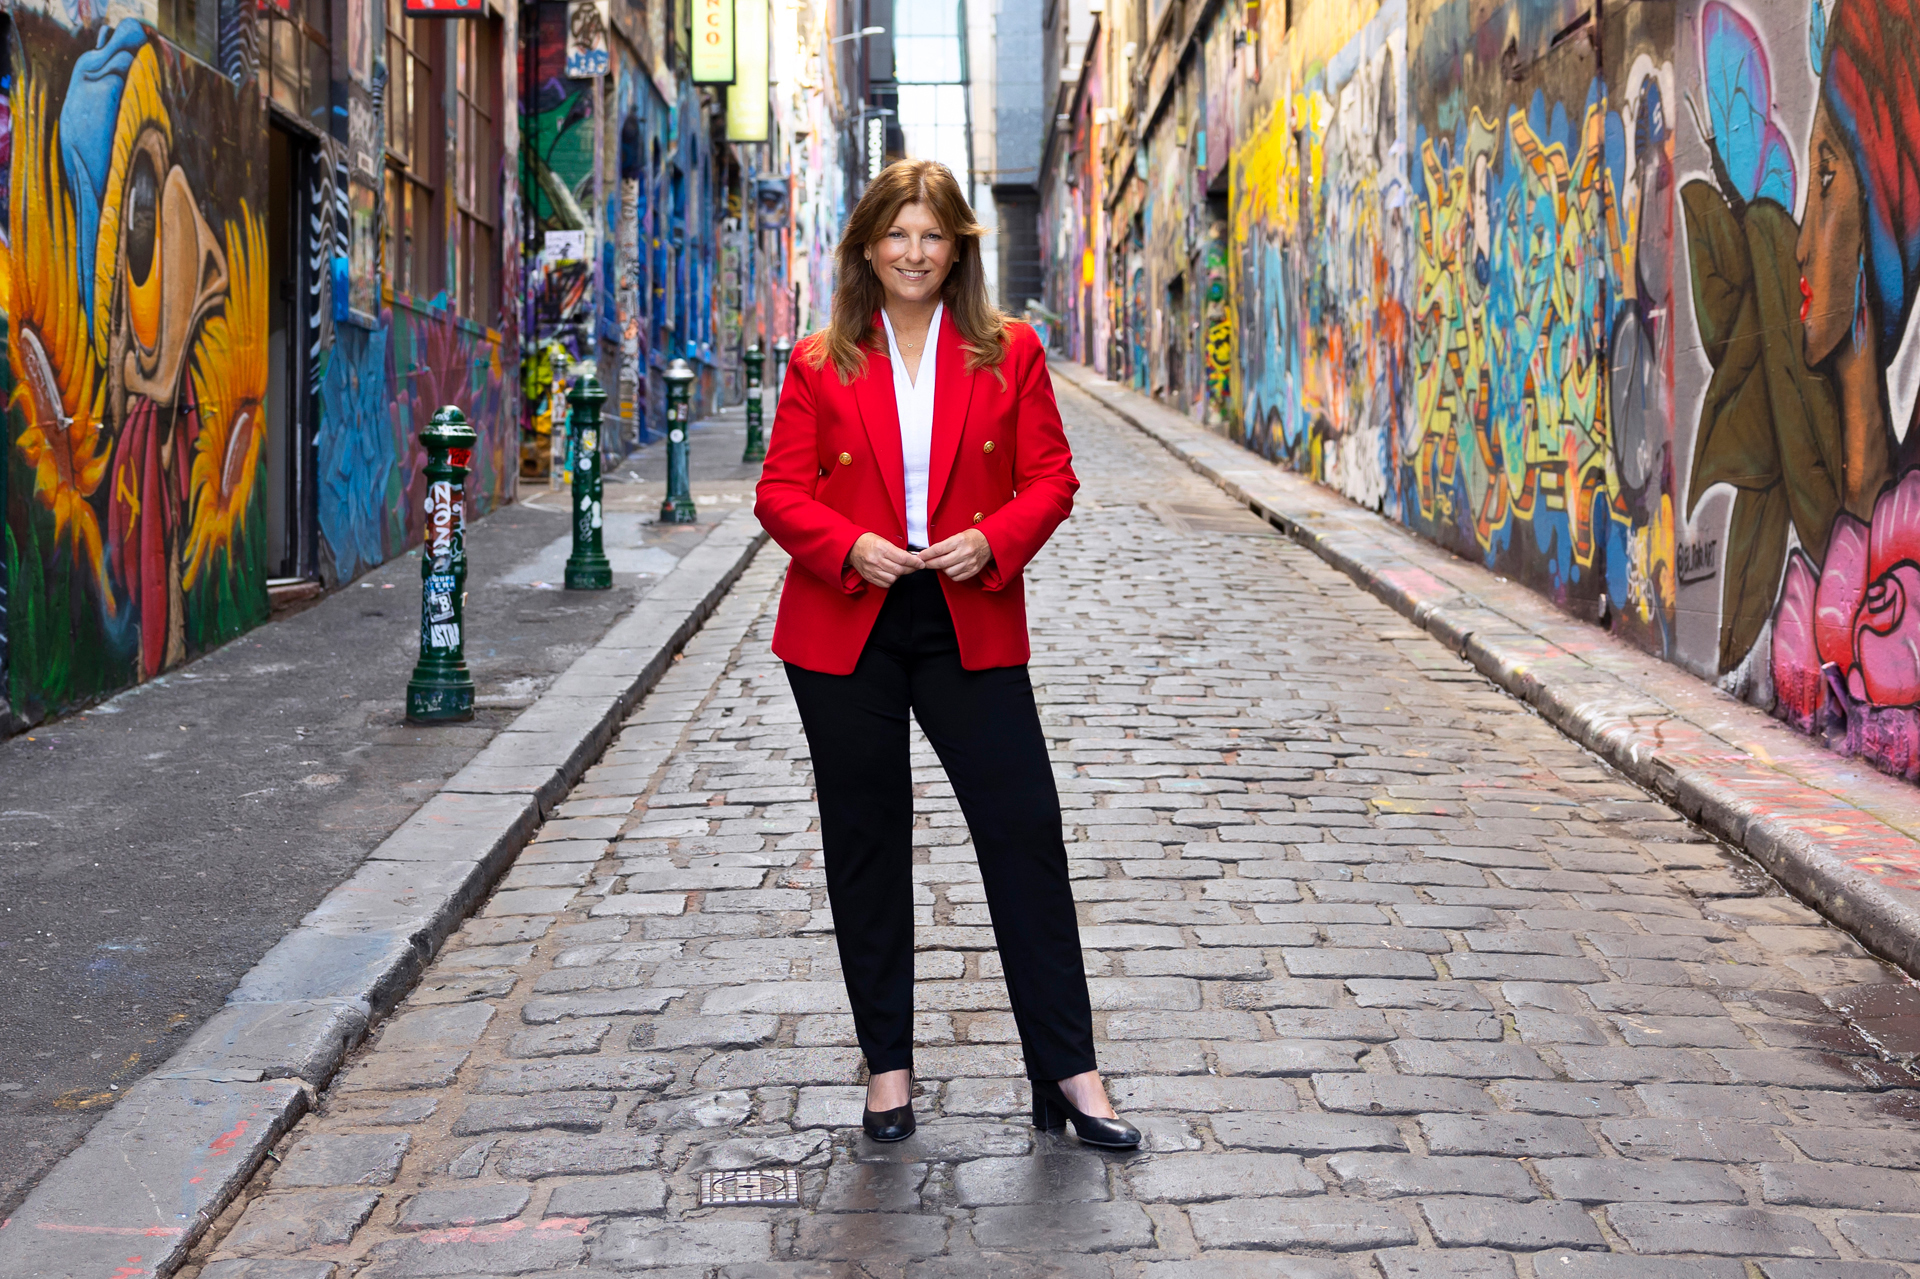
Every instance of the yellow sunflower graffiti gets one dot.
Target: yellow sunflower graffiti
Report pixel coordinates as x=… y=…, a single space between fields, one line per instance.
x=230 y=383
x=58 y=379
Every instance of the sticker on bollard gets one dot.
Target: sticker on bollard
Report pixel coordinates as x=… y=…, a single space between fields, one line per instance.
x=587 y=566
x=441 y=689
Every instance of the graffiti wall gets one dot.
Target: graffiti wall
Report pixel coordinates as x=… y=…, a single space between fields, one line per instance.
x=1615 y=300
x=135 y=293
x=379 y=388
x=1530 y=270
x=180 y=324
x=1322 y=255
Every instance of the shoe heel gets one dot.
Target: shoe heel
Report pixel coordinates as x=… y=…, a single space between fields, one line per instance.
x=1046 y=1117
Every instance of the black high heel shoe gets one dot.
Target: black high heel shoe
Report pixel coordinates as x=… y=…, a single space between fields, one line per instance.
x=1052 y=1110
x=890 y=1125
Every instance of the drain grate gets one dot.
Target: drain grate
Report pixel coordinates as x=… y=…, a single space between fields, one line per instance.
x=750 y=1186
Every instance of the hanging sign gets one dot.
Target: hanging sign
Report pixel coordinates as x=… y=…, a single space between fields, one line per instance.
x=747 y=99
x=713 y=41
x=446 y=8
x=587 y=54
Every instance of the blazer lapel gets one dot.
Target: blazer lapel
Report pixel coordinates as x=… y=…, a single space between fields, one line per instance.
x=873 y=392
x=953 y=389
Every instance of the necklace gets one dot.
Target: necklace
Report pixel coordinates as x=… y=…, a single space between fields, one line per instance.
x=903 y=342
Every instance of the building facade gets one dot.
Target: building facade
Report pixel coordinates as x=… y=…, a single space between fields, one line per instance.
x=250 y=248
x=1612 y=298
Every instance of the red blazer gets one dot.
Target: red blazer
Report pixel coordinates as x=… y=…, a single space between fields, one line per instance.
x=834 y=470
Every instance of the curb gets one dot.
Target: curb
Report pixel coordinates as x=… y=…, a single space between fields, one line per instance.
x=1841 y=836
x=157 y=1169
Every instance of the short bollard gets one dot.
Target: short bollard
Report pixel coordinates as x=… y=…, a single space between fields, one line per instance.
x=678 y=506
x=441 y=689
x=782 y=350
x=587 y=567
x=756 y=434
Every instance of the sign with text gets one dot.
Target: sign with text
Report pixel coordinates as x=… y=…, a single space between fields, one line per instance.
x=446 y=8
x=747 y=98
x=713 y=41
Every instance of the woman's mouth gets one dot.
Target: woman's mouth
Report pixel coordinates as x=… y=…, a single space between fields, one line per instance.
x=905 y=274
x=1806 y=299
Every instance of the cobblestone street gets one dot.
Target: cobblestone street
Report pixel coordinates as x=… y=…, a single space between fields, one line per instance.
x=1395 y=978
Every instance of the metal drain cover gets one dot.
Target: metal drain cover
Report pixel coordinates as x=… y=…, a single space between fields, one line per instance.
x=750 y=1186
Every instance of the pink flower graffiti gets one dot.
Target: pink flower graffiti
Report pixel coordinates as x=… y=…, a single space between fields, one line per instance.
x=1846 y=636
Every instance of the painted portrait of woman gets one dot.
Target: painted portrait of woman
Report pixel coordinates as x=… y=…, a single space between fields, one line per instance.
x=1846 y=635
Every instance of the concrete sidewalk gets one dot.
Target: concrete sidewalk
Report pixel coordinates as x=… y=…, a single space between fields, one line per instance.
x=1840 y=835
x=154 y=848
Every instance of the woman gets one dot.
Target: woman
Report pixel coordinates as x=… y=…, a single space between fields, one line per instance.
x=1859 y=245
x=917 y=464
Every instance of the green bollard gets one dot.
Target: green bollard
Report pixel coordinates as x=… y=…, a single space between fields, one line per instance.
x=756 y=434
x=678 y=507
x=587 y=567
x=441 y=690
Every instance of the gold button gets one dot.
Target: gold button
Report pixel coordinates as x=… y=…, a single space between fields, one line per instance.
x=978 y=516
x=846 y=459
x=987 y=447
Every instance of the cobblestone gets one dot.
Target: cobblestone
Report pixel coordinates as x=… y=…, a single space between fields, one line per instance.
x=1395 y=980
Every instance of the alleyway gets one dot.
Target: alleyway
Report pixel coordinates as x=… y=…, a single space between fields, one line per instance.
x=1381 y=962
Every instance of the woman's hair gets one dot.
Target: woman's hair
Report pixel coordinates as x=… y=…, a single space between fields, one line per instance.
x=852 y=331
x=1872 y=96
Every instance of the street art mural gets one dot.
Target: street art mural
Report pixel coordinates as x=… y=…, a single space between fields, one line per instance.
x=1322 y=256
x=135 y=292
x=1544 y=215
x=379 y=388
x=1614 y=300
x=1808 y=413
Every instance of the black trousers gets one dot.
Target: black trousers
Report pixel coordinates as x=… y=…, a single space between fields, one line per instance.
x=986 y=729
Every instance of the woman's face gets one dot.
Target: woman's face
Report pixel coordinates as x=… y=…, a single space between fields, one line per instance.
x=913 y=257
x=1831 y=242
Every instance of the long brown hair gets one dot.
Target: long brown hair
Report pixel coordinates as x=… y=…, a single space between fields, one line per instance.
x=852 y=331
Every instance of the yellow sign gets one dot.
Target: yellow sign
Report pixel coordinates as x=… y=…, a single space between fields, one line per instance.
x=713 y=41
x=747 y=98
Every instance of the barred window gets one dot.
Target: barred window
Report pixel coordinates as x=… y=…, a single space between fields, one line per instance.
x=412 y=265
x=476 y=167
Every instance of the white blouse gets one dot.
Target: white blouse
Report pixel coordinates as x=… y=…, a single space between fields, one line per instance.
x=914 y=400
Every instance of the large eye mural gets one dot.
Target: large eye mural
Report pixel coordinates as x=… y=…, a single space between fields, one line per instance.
x=138 y=349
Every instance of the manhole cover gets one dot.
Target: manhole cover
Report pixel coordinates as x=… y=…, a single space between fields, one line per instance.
x=750 y=1186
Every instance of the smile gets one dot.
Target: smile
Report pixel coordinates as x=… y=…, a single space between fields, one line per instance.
x=1806 y=299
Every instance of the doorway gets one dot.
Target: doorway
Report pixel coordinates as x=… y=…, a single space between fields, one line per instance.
x=292 y=497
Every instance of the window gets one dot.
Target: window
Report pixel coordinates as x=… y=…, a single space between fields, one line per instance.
x=193 y=25
x=295 y=65
x=930 y=64
x=409 y=251
x=476 y=167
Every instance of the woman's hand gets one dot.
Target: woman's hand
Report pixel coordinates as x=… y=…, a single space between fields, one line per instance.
x=961 y=556
x=879 y=561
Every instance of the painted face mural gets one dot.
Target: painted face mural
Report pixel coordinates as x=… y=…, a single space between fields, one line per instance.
x=137 y=315
x=1845 y=643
